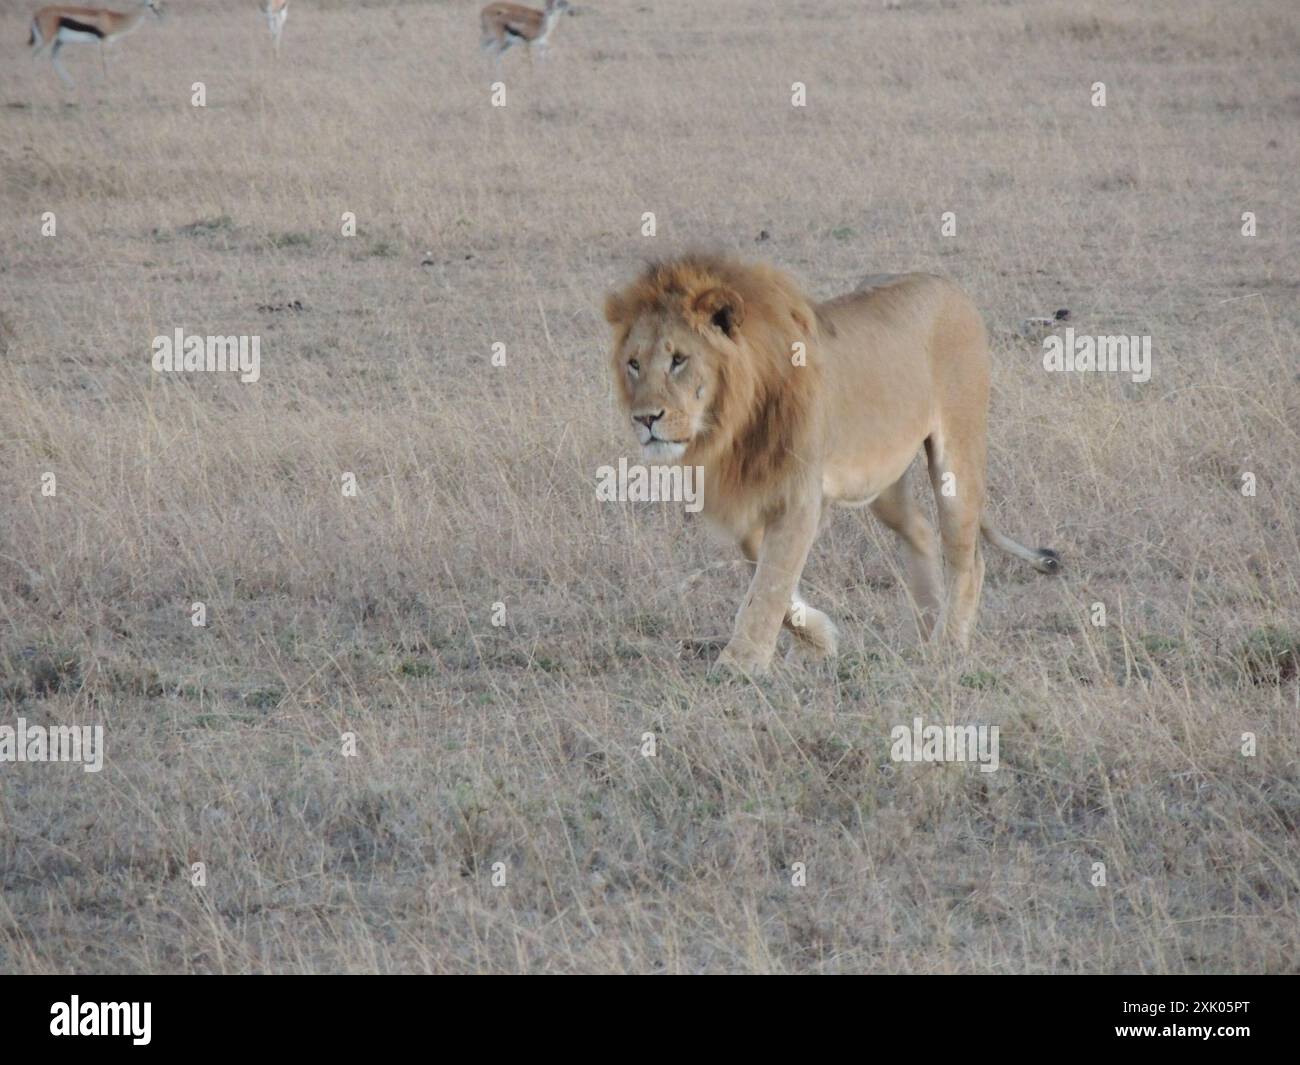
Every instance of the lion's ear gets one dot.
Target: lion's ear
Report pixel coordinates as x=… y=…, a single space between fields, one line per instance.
x=720 y=307
x=805 y=319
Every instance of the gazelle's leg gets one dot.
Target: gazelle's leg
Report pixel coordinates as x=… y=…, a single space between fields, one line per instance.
x=58 y=67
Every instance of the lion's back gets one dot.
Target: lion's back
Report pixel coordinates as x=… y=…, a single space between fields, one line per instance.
x=895 y=319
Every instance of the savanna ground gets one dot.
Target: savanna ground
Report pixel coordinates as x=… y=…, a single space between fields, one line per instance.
x=521 y=744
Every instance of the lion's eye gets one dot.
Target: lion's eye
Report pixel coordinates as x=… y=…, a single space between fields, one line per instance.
x=679 y=360
x=633 y=365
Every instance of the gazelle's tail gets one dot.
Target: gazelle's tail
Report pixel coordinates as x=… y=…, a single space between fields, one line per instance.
x=1043 y=559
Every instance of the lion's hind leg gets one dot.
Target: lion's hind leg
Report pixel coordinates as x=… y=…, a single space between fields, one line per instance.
x=957 y=475
x=898 y=511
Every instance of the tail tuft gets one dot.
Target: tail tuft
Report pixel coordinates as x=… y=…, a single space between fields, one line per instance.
x=1048 y=561
x=1043 y=559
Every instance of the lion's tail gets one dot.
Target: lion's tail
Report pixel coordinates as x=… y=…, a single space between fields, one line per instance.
x=1043 y=559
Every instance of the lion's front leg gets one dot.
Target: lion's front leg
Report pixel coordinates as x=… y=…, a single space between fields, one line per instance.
x=784 y=547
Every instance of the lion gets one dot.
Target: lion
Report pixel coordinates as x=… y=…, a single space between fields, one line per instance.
x=790 y=406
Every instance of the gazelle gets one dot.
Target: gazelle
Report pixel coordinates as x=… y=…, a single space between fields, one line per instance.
x=57 y=26
x=505 y=25
x=275 y=12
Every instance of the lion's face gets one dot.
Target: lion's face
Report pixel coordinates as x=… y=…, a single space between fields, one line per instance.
x=668 y=378
x=677 y=344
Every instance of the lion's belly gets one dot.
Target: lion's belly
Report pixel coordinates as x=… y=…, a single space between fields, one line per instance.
x=880 y=396
x=872 y=446
x=857 y=484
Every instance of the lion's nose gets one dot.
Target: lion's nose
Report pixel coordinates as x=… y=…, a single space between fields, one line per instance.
x=648 y=420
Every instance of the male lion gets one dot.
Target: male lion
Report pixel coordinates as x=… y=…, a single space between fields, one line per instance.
x=789 y=405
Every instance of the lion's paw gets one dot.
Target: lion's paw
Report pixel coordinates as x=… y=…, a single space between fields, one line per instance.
x=817 y=636
x=743 y=659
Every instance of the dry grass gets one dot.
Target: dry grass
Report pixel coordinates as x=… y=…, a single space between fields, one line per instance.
x=520 y=744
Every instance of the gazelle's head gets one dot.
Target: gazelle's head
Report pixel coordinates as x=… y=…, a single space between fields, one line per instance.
x=556 y=8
